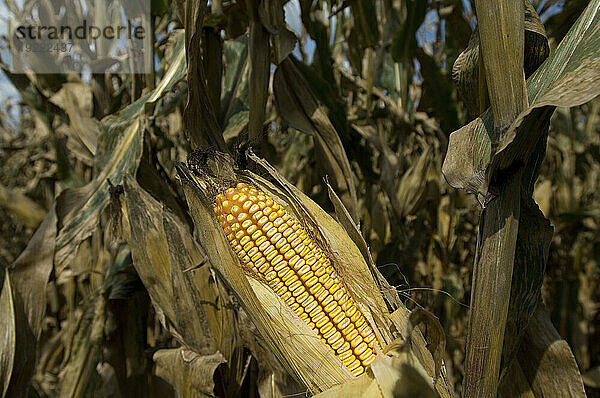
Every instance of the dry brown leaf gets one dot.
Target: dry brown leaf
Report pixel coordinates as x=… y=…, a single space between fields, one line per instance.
x=189 y=373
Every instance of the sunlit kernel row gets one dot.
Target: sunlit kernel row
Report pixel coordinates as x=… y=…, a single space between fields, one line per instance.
x=278 y=250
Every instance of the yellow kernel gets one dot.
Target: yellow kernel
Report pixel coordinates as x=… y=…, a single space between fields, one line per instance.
x=293 y=286
x=310 y=304
x=270 y=275
x=278 y=263
x=345 y=355
x=289 y=254
x=356 y=341
x=343 y=323
x=337 y=344
x=354 y=365
x=311 y=281
x=321 y=321
x=279 y=244
x=253 y=209
x=293 y=260
x=257 y=216
x=359 y=322
x=244 y=240
x=302 y=297
x=263 y=267
x=366 y=354
x=327 y=299
x=345 y=347
x=285 y=296
x=298 y=291
x=360 y=348
x=329 y=334
x=303 y=270
x=286 y=274
x=328 y=326
x=349 y=360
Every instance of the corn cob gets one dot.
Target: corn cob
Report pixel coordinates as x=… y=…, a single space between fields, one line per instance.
x=274 y=247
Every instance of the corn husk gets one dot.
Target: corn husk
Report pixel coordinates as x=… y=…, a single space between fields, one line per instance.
x=296 y=346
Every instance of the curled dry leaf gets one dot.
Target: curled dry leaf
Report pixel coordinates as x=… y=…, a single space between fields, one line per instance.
x=296 y=105
x=190 y=373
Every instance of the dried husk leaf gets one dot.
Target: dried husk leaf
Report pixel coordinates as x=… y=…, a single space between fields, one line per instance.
x=172 y=266
x=397 y=376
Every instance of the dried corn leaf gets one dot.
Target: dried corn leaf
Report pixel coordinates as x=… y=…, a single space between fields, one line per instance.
x=364 y=386
x=189 y=373
x=389 y=293
x=402 y=376
x=26 y=210
x=272 y=16
x=119 y=152
x=419 y=349
x=200 y=117
x=547 y=360
x=7 y=332
x=24 y=281
x=78 y=377
x=76 y=100
x=296 y=105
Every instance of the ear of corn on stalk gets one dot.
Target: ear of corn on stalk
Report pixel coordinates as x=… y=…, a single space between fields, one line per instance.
x=274 y=247
x=303 y=351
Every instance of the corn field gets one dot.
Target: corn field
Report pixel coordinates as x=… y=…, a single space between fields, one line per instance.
x=358 y=198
